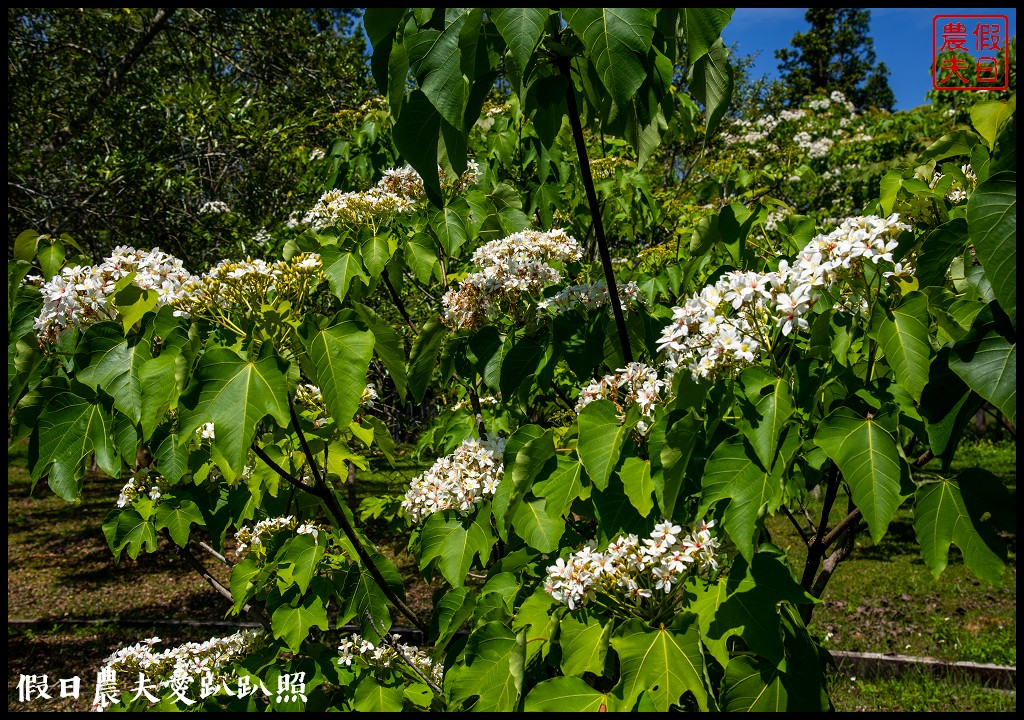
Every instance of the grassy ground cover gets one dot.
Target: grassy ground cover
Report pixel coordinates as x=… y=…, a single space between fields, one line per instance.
x=883 y=599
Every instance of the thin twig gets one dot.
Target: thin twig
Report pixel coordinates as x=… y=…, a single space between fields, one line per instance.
x=248 y=609
x=216 y=554
x=398 y=650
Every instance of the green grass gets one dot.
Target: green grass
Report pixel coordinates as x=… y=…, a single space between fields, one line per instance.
x=917 y=692
x=883 y=598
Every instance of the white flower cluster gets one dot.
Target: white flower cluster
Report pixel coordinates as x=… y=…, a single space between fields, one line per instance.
x=369 y=396
x=636 y=384
x=372 y=208
x=771 y=222
x=262 y=531
x=788 y=115
x=815 y=148
x=205 y=432
x=726 y=325
x=141 y=484
x=511 y=267
x=398 y=192
x=592 y=295
x=956 y=192
x=248 y=284
x=183 y=665
x=382 y=656
x=214 y=207
x=79 y=295
x=630 y=571
x=457 y=481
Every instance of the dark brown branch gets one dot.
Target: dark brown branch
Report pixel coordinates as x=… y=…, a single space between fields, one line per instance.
x=595 y=210
x=334 y=508
x=294 y=481
x=248 y=609
x=398 y=302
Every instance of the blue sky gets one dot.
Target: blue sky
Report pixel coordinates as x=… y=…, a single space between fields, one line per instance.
x=902 y=38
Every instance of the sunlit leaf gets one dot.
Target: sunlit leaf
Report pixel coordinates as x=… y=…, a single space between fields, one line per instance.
x=870 y=462
x=960 y=511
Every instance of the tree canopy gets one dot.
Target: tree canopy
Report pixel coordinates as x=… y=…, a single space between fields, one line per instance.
x=180 y=114
x=837 y=53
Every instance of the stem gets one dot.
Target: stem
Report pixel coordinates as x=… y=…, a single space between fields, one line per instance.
x=398 y=302
x=398 y=650
x=192 y=560
x=474 y=400
x=334 y=508
x=595 y=211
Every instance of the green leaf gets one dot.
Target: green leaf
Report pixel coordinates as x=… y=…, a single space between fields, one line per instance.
x=584 y=642
x=519 y=364
x=989 y=367
x=616 y=42
x=127 y=529
x=666 y=662
x=753 y=684
x=674 y=456
x=527 y=453
x=421 y=254
x=453 y=541
x=298 y=560
x=25 y=245
x=521 y=29
x=423 y=358
x=158 y=383
x=243 y=585
x=600 y=440
x=235 y=395
x=711 y=83
x=635 y=474
x=940 y=247
x=416 y=134
x=388 y=345
x=440 y=70
x=340 y=355
x=992 y=218
x=51 y=257
x=562 y=487
x=958 y=142
x=703 y=27
x=492 y=673
x=375 y=252
x=110 y=364
x=132 y=302
x=536 y=527
x=905 y=340
x=371 y=696
x=749 y=611
x=292 y=623
x=70 y=428
x=566 y=694
x=452 y=609
x=363 y=598
x=958 y=511
x=733 y=473
x=946 y=404
x=988 y=116
x=870 y=462
x=177 y=516
x=764 y=422
x=341 y=268
x=449 y=225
